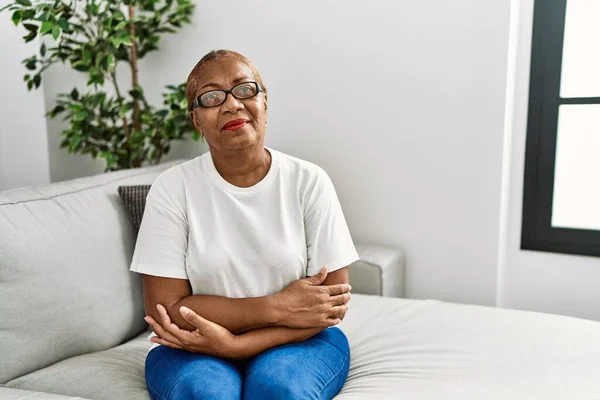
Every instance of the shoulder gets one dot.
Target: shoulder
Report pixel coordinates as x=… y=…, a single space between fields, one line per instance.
x=306 y=173
x=177 y=175
x=313 y=183
x=170 y=185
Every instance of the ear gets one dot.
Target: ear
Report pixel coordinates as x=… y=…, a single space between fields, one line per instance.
x=195 y=121
x=266 y=102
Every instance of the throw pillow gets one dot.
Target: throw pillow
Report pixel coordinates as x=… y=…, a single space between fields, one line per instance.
x=134 y=199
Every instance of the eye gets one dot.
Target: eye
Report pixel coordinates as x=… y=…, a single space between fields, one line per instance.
x=212 y=98
x=245 y=90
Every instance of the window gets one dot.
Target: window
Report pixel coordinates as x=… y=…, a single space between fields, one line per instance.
x=561 y=198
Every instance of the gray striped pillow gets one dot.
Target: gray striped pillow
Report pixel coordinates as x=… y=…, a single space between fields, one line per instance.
x=134 y=199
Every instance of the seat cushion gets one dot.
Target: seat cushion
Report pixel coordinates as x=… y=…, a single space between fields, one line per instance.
x=113 y=374
x=17 y=394
x=413 y=349
x=65 y=285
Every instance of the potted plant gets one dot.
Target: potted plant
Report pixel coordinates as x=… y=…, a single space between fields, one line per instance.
x=93 y=37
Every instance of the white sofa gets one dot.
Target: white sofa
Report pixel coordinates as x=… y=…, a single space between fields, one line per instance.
x=71 y=316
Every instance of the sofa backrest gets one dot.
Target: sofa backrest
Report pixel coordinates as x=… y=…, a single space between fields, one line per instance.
x=65 y=285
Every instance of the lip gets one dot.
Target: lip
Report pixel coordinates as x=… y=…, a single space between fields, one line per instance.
x=235 y=124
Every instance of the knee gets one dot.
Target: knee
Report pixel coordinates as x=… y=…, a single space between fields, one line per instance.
x=274 y=386
x=191 y=386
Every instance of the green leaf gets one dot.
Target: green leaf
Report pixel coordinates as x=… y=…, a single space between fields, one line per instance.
x=31 y=65
x=28 y=14
x=57 y=110
x=37 y=80
x=25 y=3
x=30 y=37
x=29 y=85
x=75 y=140
x=31 y=27
x=80 y=66
x=64 y=24
x=43 y=17
x=55 y=31
x=75 y=94
x=107 y=62
x=17 y=16
x=43 y=50
x=26 y=77
x=80 y=116
x=116 y=42
x=46 y=27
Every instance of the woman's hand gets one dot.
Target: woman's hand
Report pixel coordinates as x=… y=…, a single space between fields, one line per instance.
x=305 y=304
x=208 y=338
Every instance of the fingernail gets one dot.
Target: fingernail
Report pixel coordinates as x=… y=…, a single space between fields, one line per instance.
x=184 y=310
x=350 y=287
x=146 y=319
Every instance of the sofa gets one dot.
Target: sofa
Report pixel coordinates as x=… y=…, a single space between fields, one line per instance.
x=71 y=316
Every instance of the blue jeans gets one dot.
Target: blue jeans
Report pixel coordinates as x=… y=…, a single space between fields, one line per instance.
x=314 y=369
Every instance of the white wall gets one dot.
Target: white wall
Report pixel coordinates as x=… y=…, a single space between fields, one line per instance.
x=538 y=281
x=23 y=137
x=401 y=102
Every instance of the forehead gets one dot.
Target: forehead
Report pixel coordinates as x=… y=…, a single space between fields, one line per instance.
x=222 y=74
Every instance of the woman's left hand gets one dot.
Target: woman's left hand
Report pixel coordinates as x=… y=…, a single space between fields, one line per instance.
x=208 y=338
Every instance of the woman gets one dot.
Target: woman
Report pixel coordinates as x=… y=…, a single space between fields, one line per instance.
x=244 y=252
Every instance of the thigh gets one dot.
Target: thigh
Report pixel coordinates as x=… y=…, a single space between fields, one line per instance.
x=314 y=369
x=179 y=374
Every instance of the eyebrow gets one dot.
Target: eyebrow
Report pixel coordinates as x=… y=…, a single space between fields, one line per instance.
x=236 y=80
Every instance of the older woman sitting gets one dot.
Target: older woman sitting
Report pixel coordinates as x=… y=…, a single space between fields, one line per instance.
x=244 y=252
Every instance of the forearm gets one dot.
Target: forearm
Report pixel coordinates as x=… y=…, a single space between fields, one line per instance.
x=237 y=315
x=254 y=342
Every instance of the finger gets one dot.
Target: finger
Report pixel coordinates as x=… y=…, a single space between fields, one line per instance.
x=166 y=343
x=339 y=311
x=160 y=330
x=318 y=278
x=169 y=326
x=333 y=321
x=196 y=320
x=338 y=289
x=340 y=299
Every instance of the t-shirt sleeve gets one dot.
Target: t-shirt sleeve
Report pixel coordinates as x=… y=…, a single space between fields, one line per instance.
x=328 y=238
x=161 y=245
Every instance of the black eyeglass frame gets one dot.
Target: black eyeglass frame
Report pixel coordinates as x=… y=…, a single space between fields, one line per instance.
x=198 y=102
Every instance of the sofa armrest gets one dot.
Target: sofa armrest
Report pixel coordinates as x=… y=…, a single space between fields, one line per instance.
x=380 y=271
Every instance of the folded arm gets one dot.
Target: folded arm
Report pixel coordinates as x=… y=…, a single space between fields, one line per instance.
x=257 y=340
x=313 y=302
x=237 y=315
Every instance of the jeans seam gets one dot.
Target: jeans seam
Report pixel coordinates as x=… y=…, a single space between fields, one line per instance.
x=155 y=392
x=332 y=378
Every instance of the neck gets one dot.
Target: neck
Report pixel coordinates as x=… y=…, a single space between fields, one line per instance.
x=244 y=167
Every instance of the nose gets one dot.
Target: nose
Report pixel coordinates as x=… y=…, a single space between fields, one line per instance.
x=231 y=104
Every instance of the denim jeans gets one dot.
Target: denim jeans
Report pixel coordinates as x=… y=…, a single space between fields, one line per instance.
x=314 y=369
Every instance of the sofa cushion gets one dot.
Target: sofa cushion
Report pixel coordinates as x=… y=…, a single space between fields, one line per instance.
x=65 y=285
x=134 y=199
x=402 y=349
x=17 y=394
x=113 y=374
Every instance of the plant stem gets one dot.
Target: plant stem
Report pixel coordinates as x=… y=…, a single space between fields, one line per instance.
x=125 y=123
x=134 y=70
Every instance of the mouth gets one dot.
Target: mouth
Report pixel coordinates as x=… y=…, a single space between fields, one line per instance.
x=235 y=124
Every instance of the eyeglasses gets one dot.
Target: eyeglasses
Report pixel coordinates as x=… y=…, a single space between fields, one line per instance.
x=215 y=98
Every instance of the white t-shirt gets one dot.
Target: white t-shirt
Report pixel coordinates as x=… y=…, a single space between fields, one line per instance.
x=242 y=242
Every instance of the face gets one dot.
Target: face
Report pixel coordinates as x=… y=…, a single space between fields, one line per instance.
x=216 y=123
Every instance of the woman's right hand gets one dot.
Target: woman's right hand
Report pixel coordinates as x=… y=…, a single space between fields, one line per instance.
x=306 y=304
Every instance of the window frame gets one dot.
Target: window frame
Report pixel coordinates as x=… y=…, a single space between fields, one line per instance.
x=537 y=232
